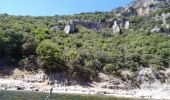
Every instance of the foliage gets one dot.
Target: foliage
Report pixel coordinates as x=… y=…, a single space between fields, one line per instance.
x=28 y=41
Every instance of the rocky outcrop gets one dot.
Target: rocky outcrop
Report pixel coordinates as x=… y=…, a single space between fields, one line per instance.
x=146 y=75
x=70 y=27
x=163 y=18
x=116 y=28
x=127 y=25
x=151 y=75
x=114 y=24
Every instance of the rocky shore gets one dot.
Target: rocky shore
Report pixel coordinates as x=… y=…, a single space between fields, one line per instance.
x=148 y=91
x=40 y=82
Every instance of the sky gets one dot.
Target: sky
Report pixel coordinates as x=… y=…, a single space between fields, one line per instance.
x=57 y=7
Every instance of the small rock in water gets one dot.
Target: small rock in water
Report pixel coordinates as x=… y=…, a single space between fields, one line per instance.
x=36 y=89
x=20 y=88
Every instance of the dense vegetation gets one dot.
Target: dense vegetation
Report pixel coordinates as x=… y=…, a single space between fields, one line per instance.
x=28 y=42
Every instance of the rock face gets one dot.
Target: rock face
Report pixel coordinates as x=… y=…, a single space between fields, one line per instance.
x=144 y=7
x=129 y=11
x=156 y=30
x=151 y=75
x=70 y=27
x=144 y=10
x=164 y=19
x=86 y=23
x=54 y=28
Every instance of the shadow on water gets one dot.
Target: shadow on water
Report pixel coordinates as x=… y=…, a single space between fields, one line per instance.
x=13 y=95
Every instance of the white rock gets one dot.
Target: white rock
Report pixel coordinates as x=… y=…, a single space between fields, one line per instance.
x=156 y=30
x=54 y=28
x=127 y=25
x=70 y=27
x=116 y=28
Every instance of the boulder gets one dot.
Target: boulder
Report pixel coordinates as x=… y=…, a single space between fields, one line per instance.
x=156 y=30
x=54 y=28
x=146 y=75
x=116 y=29
x=103 y=77
x=127 y=75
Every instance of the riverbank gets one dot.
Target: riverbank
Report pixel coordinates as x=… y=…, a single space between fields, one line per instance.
x=147 y=91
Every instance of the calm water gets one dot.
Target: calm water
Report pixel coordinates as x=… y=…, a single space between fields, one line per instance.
x=13 y=95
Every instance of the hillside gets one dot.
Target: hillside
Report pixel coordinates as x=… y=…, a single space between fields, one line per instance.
x=131 y=44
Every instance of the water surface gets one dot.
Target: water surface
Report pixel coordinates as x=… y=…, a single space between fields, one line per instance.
x=15 y=95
